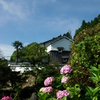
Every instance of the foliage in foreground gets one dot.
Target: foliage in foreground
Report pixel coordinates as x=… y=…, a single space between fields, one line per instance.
x=85 y=53
x=58 y=88
x=15 y=80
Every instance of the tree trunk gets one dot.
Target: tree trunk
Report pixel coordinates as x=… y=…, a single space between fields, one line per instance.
x=16 y=54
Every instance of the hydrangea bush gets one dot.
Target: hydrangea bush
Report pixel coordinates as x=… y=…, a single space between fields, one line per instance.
x=6 y=98
x=48 y=81
x=60 y=88
x=60 y=94
x=64 y=79
x=46 y=89
x=66 y=69
x=54 y=91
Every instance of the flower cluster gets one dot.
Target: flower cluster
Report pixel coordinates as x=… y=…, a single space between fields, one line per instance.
x=66 y=69
x=48 y=81
x=61 y=94
x=46 y=89
x=6 y=98
x=64 y=79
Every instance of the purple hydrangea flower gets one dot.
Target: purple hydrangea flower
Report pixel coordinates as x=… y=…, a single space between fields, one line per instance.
x=48 y=81
x=60 y=94
x=64 y=79
x=47 y=89
x=66 y=69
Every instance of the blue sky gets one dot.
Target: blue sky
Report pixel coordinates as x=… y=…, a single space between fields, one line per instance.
x=40 y=20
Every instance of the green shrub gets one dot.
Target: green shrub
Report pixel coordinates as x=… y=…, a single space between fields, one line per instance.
x=85 y=53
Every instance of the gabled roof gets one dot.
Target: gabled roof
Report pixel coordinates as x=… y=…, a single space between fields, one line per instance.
x=53 y=40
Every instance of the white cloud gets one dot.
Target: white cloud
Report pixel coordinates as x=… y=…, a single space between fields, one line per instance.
x=6 y=50
x=13 y=11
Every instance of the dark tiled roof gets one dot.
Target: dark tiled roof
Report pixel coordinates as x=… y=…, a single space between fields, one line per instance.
x=56 y=39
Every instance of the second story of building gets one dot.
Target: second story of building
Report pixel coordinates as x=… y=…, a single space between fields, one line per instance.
x=60 y=43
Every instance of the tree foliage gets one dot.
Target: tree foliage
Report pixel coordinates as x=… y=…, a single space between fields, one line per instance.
x=18 y=45
x=86 y=25
x=0 y=54
x=68 y=34
x=33 y=53
x=85 y=53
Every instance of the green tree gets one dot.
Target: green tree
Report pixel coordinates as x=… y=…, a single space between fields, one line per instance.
x=96 y=21
x=99 y=17
x=68 y=34
x=17 y=45
x=85 y=53
x=35 y=53
x=3 y=61
x=0 y=54
x=84 y=24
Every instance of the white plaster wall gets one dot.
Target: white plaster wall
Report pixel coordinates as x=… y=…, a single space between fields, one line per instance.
x=50 y=47
x=61 y=43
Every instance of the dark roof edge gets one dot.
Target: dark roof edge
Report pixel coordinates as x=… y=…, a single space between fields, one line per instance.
x=57 y=38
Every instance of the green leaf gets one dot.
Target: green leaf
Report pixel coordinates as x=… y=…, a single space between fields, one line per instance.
x=42 y=96
x=95 y=74
x=64 y=98
x=92 y=92
x=52 y=99
x=95 y=79
x=89 y=90
x=96 y=90
x=95 y=98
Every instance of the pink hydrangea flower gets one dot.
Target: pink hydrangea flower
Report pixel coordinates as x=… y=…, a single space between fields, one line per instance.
x=64 y=79
x=6 y=98
x=60 y=94
x=66 y=69
x=47 y=89
x=66 y=93
x=48 y=81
